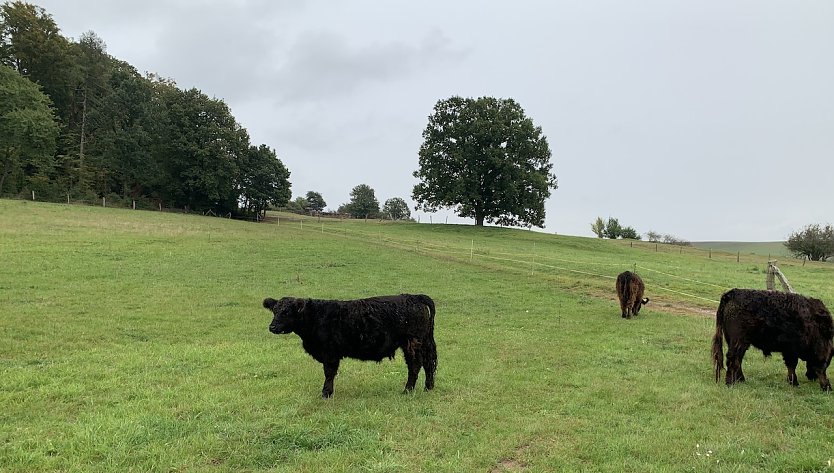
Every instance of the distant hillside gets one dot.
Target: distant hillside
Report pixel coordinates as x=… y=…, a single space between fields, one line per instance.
x=763 y=248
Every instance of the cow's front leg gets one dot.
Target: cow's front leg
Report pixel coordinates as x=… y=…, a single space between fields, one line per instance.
x=330 y=370
x=790 y=362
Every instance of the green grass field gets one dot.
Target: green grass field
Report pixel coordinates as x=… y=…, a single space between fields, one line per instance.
x=774 y=249
x=136 y=341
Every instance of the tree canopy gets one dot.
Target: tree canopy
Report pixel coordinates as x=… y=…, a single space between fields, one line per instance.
x=363 y=202
x=815 y=242
x=121 y=134
x=27 y=128
x=315 y=201
x=396 y=208
x=612 y=229
x=487 y=160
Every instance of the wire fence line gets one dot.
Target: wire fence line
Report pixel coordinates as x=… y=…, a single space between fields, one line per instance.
x=528 y=262
x=683 y=278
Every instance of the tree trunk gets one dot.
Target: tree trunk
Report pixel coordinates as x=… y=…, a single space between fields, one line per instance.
x=7 y=167
x=479 y=219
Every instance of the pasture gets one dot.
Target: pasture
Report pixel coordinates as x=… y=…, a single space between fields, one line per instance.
x=136 y=341
x=774 y=249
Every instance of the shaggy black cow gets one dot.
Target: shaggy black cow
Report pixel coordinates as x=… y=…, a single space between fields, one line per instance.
x=630 y=291
x=799 y=327
x=365 y=329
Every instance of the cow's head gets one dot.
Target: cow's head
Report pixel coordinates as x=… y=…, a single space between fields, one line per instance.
x=286 y=313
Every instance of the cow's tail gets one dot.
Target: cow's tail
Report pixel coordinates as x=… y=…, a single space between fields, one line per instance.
x=718 y=343
x=429 y=347
x=428 y=302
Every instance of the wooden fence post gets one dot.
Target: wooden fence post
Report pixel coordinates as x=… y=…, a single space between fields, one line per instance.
x=773 y=271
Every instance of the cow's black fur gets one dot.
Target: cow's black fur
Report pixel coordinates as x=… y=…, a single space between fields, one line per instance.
x=365 y=329
x=799 y=327
x=630 y=292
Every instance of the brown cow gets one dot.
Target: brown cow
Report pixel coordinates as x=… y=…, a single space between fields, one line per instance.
x=630 y=291
x=797 y=326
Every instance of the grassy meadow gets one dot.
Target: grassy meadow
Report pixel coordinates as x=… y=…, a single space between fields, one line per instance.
x=136 y=341
x=774 y=249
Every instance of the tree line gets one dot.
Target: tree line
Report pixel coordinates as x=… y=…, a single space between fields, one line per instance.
x=75 y=121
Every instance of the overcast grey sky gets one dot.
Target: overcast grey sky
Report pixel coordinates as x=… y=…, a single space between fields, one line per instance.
x=707 y=120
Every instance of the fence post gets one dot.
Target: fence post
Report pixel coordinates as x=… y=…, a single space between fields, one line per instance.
x=472 y=251
x=773 y=270
x=67 y=197
x=33 y=195
x=134 y=205
x=104 y=201
x=738 y=256
x=533 y=260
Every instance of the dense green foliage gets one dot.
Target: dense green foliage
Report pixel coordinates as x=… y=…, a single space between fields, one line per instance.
x=611 y=228
x=815 y=242
x=484 y=158
x=27 y=129
x=396 y=208
x=363 y=203
x=136 y=341
x=315 y=201
x=128 y=136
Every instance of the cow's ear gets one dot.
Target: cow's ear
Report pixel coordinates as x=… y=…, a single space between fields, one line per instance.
x=300 y=304
x=269 y=303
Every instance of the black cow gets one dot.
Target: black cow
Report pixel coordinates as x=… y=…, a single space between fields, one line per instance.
x=799 y=327
x=366 y=329
x=630 y=292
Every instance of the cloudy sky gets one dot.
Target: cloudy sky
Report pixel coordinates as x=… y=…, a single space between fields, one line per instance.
x=707 y=120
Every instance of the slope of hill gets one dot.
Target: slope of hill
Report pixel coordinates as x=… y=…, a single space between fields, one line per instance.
x=762 y=248
x=136 y=341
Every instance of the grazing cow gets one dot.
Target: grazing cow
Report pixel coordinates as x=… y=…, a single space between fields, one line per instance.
x=365 y=329
x=799 y=327
x=630 y=291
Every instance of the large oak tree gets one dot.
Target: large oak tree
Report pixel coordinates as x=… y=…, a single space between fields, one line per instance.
x=485 y=159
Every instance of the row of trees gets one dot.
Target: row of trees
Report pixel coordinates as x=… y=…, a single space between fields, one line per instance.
x=611 y=228
x=363 y=204
x=101 y=129
x=76 y=121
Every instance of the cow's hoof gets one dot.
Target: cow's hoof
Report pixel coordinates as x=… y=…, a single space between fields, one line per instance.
x=827 y=387
x=326 y=394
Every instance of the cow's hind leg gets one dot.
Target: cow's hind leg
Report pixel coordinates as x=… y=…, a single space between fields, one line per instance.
x=411 y=353
x=790 y=362
x=815 y=372
x=825 y=384
x=429 y=357
x=735 y=355
x=330 y=370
